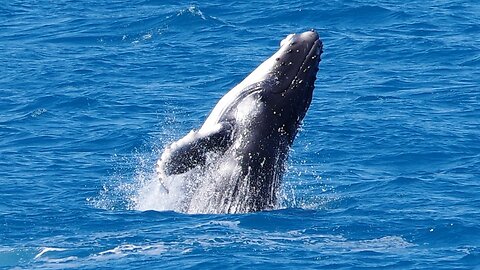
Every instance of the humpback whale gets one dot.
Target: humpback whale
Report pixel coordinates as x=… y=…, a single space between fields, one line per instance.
x=236 y=160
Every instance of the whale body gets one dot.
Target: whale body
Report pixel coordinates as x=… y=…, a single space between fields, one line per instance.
x=236 y=160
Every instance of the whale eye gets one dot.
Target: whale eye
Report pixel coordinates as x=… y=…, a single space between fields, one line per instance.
x=286 y=40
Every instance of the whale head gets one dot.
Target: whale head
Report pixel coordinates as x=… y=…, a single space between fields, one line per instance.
x=288 y=78
x=285 y=81
x=290 y=81
x=295 y=64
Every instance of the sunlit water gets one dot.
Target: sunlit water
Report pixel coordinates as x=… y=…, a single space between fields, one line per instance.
x=384 y=173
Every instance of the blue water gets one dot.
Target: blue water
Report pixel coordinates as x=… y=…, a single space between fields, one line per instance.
x=385 y=172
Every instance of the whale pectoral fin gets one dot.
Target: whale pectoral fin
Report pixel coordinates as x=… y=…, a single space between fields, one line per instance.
x=220 y=138
x=191 y=150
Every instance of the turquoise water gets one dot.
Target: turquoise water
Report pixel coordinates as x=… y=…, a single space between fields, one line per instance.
x=384 y=173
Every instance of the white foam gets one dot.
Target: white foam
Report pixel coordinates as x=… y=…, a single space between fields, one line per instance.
x=383 y=244
x=47 y=249
x=130 y=249
x=160 y=194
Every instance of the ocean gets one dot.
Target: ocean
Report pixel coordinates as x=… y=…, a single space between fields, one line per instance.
x=384 y=174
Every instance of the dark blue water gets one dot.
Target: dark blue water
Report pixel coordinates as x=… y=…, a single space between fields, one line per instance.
x=384 y=174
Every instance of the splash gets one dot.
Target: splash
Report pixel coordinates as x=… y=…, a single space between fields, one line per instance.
x=192 y=10
x=220 y=188
x=217 y=187
x=197 y=190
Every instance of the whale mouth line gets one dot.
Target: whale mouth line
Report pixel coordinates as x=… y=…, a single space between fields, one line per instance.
x=314 y=51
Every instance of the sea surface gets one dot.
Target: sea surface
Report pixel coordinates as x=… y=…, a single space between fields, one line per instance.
x=384 y=174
